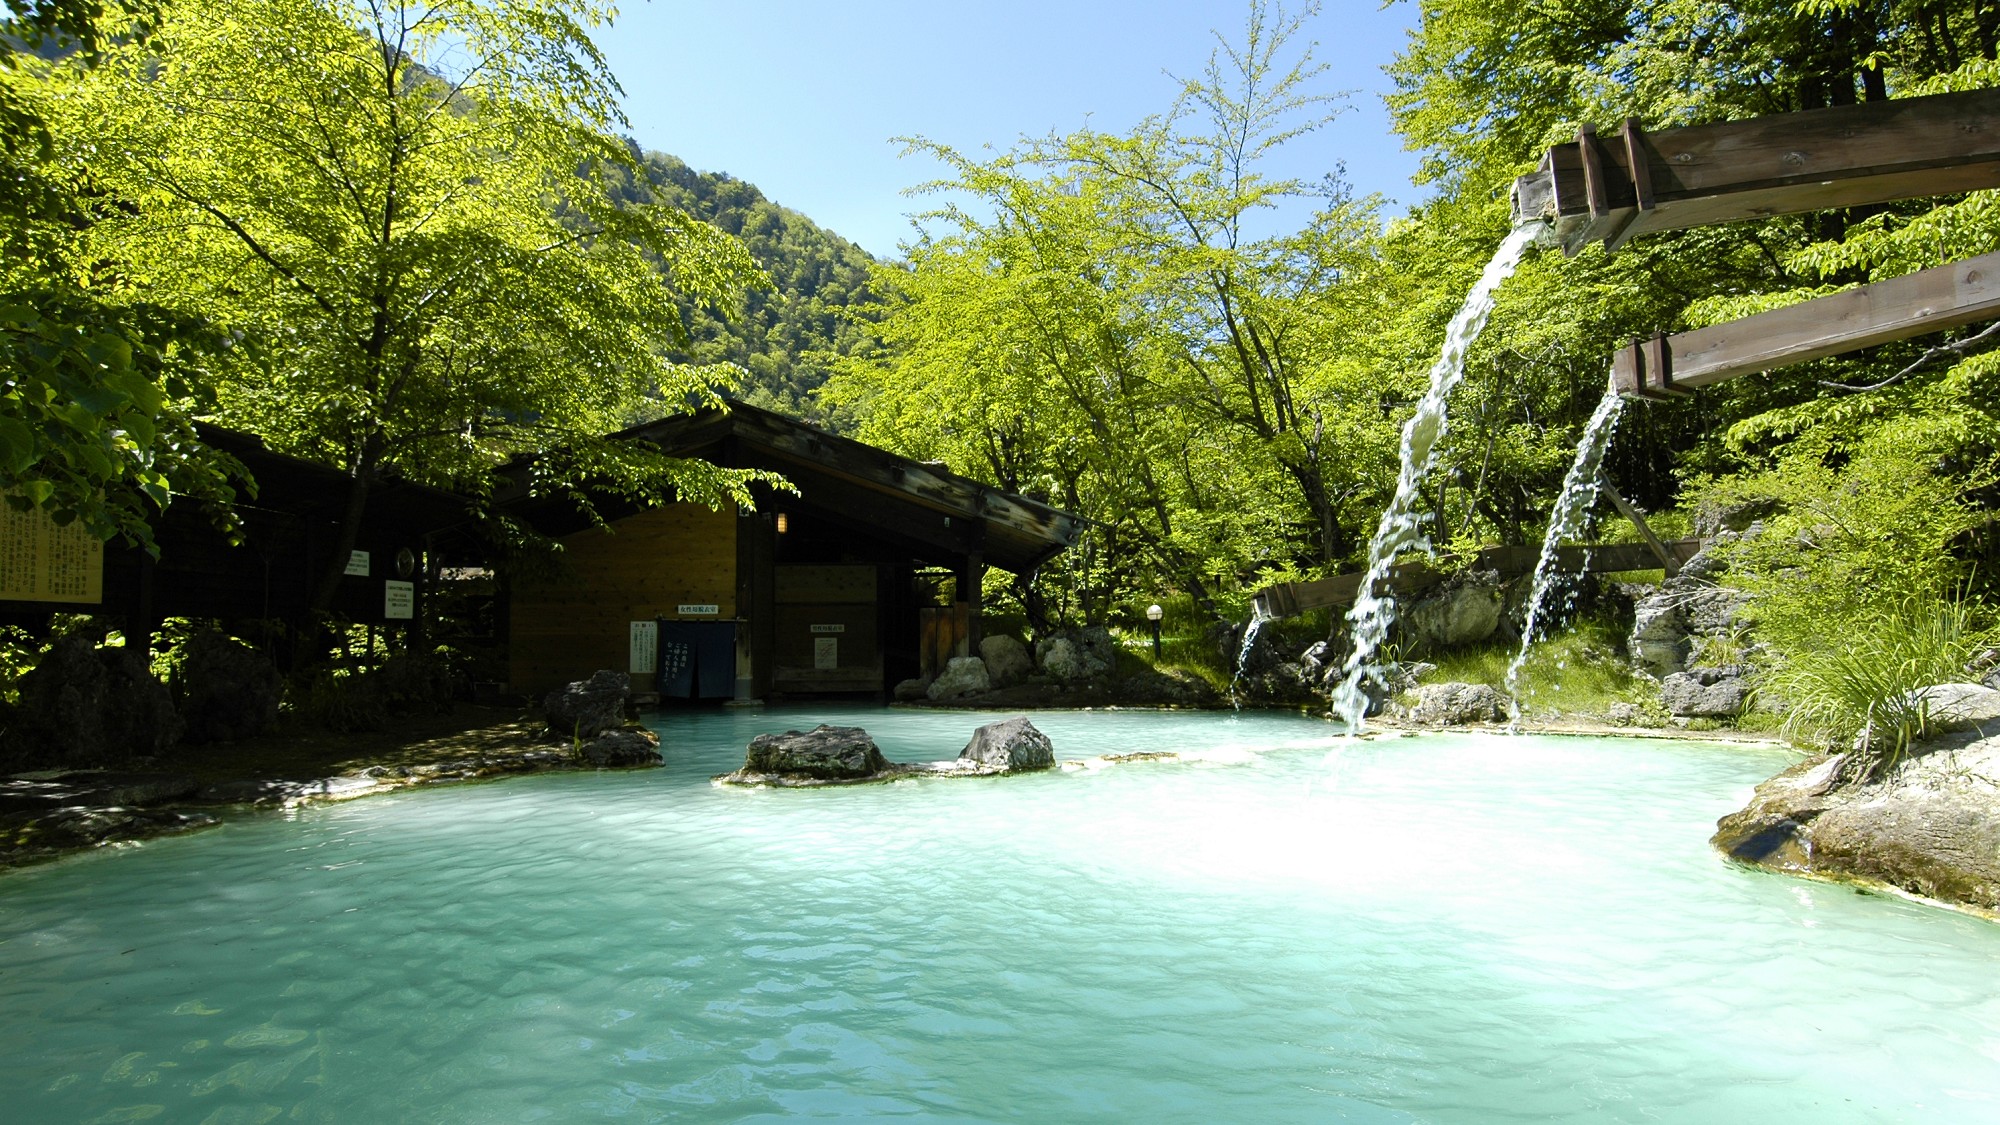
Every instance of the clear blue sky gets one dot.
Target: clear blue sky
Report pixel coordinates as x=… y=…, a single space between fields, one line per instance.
x=801 y=97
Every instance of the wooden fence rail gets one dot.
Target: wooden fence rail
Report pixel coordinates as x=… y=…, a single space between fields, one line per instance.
x=1288 y=599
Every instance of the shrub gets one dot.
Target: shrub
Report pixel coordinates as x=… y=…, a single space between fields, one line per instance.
x=344 y=702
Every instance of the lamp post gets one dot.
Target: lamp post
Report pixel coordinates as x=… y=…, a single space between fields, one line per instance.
x=1153 y=614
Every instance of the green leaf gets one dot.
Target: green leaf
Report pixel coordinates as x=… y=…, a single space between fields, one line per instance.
x=17 y=446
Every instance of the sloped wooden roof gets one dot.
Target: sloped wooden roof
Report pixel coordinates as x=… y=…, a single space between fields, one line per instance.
x=935 y=514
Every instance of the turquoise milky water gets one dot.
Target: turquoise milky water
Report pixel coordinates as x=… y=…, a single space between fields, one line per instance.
x=1446 y=928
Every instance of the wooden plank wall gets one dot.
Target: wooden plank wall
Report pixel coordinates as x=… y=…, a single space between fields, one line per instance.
x=641 y=569
x=843 y=596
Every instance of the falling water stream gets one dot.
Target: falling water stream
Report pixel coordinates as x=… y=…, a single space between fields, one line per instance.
x=1579 y=494
x=1401 y=528
x=1258 y=619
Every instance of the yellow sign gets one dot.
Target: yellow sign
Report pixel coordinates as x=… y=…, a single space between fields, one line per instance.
x=40 y=562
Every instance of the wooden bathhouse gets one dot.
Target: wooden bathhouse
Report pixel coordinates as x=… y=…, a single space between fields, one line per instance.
x=831 y=590
x=288 y=531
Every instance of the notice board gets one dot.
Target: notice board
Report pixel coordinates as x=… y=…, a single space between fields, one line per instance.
x=41 y=562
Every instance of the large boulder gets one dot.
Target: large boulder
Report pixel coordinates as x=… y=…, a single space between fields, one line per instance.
x=1714 y=611
x=1736 y=514
x=1960 y=707
x=1929 y=824
x=1074 y=657
x=224 y=689
x=965 y=676
x=1009 y=746
x=621 y=749
x=824 y=752
x=1008 y=661
x=1707 y=693
x=1466 y=610
x=587 y=708
x=85 y=706
x=1454 y=704
x=1659 y=642
x=1690 y=615
x=1284 y=682
x=912 y=690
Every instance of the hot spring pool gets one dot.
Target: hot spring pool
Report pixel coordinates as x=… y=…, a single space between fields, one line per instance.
x=1446 y=928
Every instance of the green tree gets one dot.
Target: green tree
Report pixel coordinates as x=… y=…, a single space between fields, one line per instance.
x=94 y=406
x=406 y=207
x=1104 y=324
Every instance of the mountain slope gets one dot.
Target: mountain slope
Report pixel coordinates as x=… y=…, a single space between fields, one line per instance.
x=782 y=337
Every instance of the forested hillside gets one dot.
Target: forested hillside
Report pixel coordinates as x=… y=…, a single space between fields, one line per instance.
x=784 y=335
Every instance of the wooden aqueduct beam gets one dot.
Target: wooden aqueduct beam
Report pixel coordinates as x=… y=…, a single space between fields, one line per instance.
x=1613 y=189
x=1930 y=300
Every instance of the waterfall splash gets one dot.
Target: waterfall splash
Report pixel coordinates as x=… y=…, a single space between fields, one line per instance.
x=1258 y=618
x=1401 y=528
x=1579 y=493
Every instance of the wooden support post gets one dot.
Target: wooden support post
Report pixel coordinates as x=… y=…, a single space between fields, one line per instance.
x=971 y=577
x=1668 y=561
x=145 y=620
x=1841 y=156
x=1931 y=300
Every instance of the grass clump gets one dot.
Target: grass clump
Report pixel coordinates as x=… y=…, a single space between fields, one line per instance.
x=1867 y=685
x=1578 y=672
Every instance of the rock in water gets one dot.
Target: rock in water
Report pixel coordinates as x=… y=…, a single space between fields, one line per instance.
x=1009 y=746
x=621 y=749
x=1450 y=704
x=964 y=676
x=1930 y=824
x=913 y=689
x=587 y=708
x=1707 y=693
x=225 y=690
x=1008 y=661
x=822 y=752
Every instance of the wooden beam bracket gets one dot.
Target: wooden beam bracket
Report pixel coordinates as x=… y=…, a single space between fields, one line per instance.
x=1640 y=169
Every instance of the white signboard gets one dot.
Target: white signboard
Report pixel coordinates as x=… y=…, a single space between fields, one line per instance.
x=645 y=658
x=826 y=652
x=698 y=610
x=357 y=563
x=399 y=600
x=829 y=628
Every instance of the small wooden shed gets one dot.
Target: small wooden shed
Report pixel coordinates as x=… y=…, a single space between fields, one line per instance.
x=813 y=593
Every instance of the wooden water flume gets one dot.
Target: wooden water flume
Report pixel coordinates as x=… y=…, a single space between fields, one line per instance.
x=1614 y=189
x=1931 y=300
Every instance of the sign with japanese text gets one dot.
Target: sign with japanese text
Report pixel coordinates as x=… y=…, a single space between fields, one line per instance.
x=399 y=600
x=645 y=648
x=41 y=562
